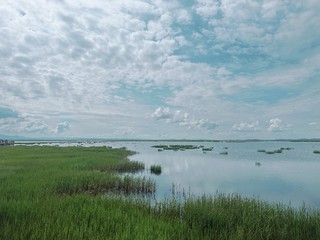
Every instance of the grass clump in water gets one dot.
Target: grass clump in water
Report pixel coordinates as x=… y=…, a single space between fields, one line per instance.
x=261 y=150
x=156 y=169
x=176 y=147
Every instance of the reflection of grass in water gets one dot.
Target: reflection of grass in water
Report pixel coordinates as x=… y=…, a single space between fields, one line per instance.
x=155 y=169
x=59 y=193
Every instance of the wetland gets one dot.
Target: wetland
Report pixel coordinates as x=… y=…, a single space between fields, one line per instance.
x=105 y=190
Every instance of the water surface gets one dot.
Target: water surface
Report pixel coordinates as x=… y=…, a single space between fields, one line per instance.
x=291 y=177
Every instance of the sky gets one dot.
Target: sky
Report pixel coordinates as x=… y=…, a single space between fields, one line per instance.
x=152 y=69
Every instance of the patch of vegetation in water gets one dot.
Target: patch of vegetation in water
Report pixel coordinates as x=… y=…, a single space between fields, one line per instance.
x=182 y=147
x=224 y=153
x=156 y=169
x=280 y=150
x=207 y=149
x=176 y=147
x=261 y=150
x=316 y=151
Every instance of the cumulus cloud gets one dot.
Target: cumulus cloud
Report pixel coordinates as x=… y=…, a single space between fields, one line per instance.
x=61 y=127
x=13 y=122
x=182 y=118
x=246 y=127
x=162 y=113
x=207 y=8
x=277 y=125
x=34 y=126
x=67 y=54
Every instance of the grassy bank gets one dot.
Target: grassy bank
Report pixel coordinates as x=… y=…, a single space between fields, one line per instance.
x=69 y=193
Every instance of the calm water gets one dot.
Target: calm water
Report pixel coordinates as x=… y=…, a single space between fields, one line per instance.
x=290 y=177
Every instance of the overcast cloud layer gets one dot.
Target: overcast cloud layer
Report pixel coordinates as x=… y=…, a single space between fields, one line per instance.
x=209 y=69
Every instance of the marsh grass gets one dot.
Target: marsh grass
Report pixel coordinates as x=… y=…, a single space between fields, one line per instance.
x=280 y=150
x=207 y=149
x=176 y=147
x=63 y=193
x=155 y=169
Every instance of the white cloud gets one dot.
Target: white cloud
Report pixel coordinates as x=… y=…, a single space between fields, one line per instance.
x=207 y=8
x=7 y=123
x=271 y=8
x=34 y=126
x=183 y=119
x=277 y=125
x=22 y=123
x=162 y=114
x=61 y=127
x=183 y=16
x=246 y=127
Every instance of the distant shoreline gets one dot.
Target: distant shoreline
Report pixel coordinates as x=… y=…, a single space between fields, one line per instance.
x=17 y=141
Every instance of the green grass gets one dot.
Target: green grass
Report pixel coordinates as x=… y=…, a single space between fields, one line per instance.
x=155 y=169
x=80 y=193
x=176 y=147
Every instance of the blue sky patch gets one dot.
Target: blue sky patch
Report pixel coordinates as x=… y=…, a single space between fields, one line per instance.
x=7 y=113
x=271 y=96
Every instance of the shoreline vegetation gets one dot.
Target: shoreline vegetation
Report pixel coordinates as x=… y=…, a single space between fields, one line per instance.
x=52 y=192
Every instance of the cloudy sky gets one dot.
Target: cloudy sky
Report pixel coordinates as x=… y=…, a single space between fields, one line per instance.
x=196 y=69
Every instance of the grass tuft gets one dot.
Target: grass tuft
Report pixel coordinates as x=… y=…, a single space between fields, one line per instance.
x=155 y=169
